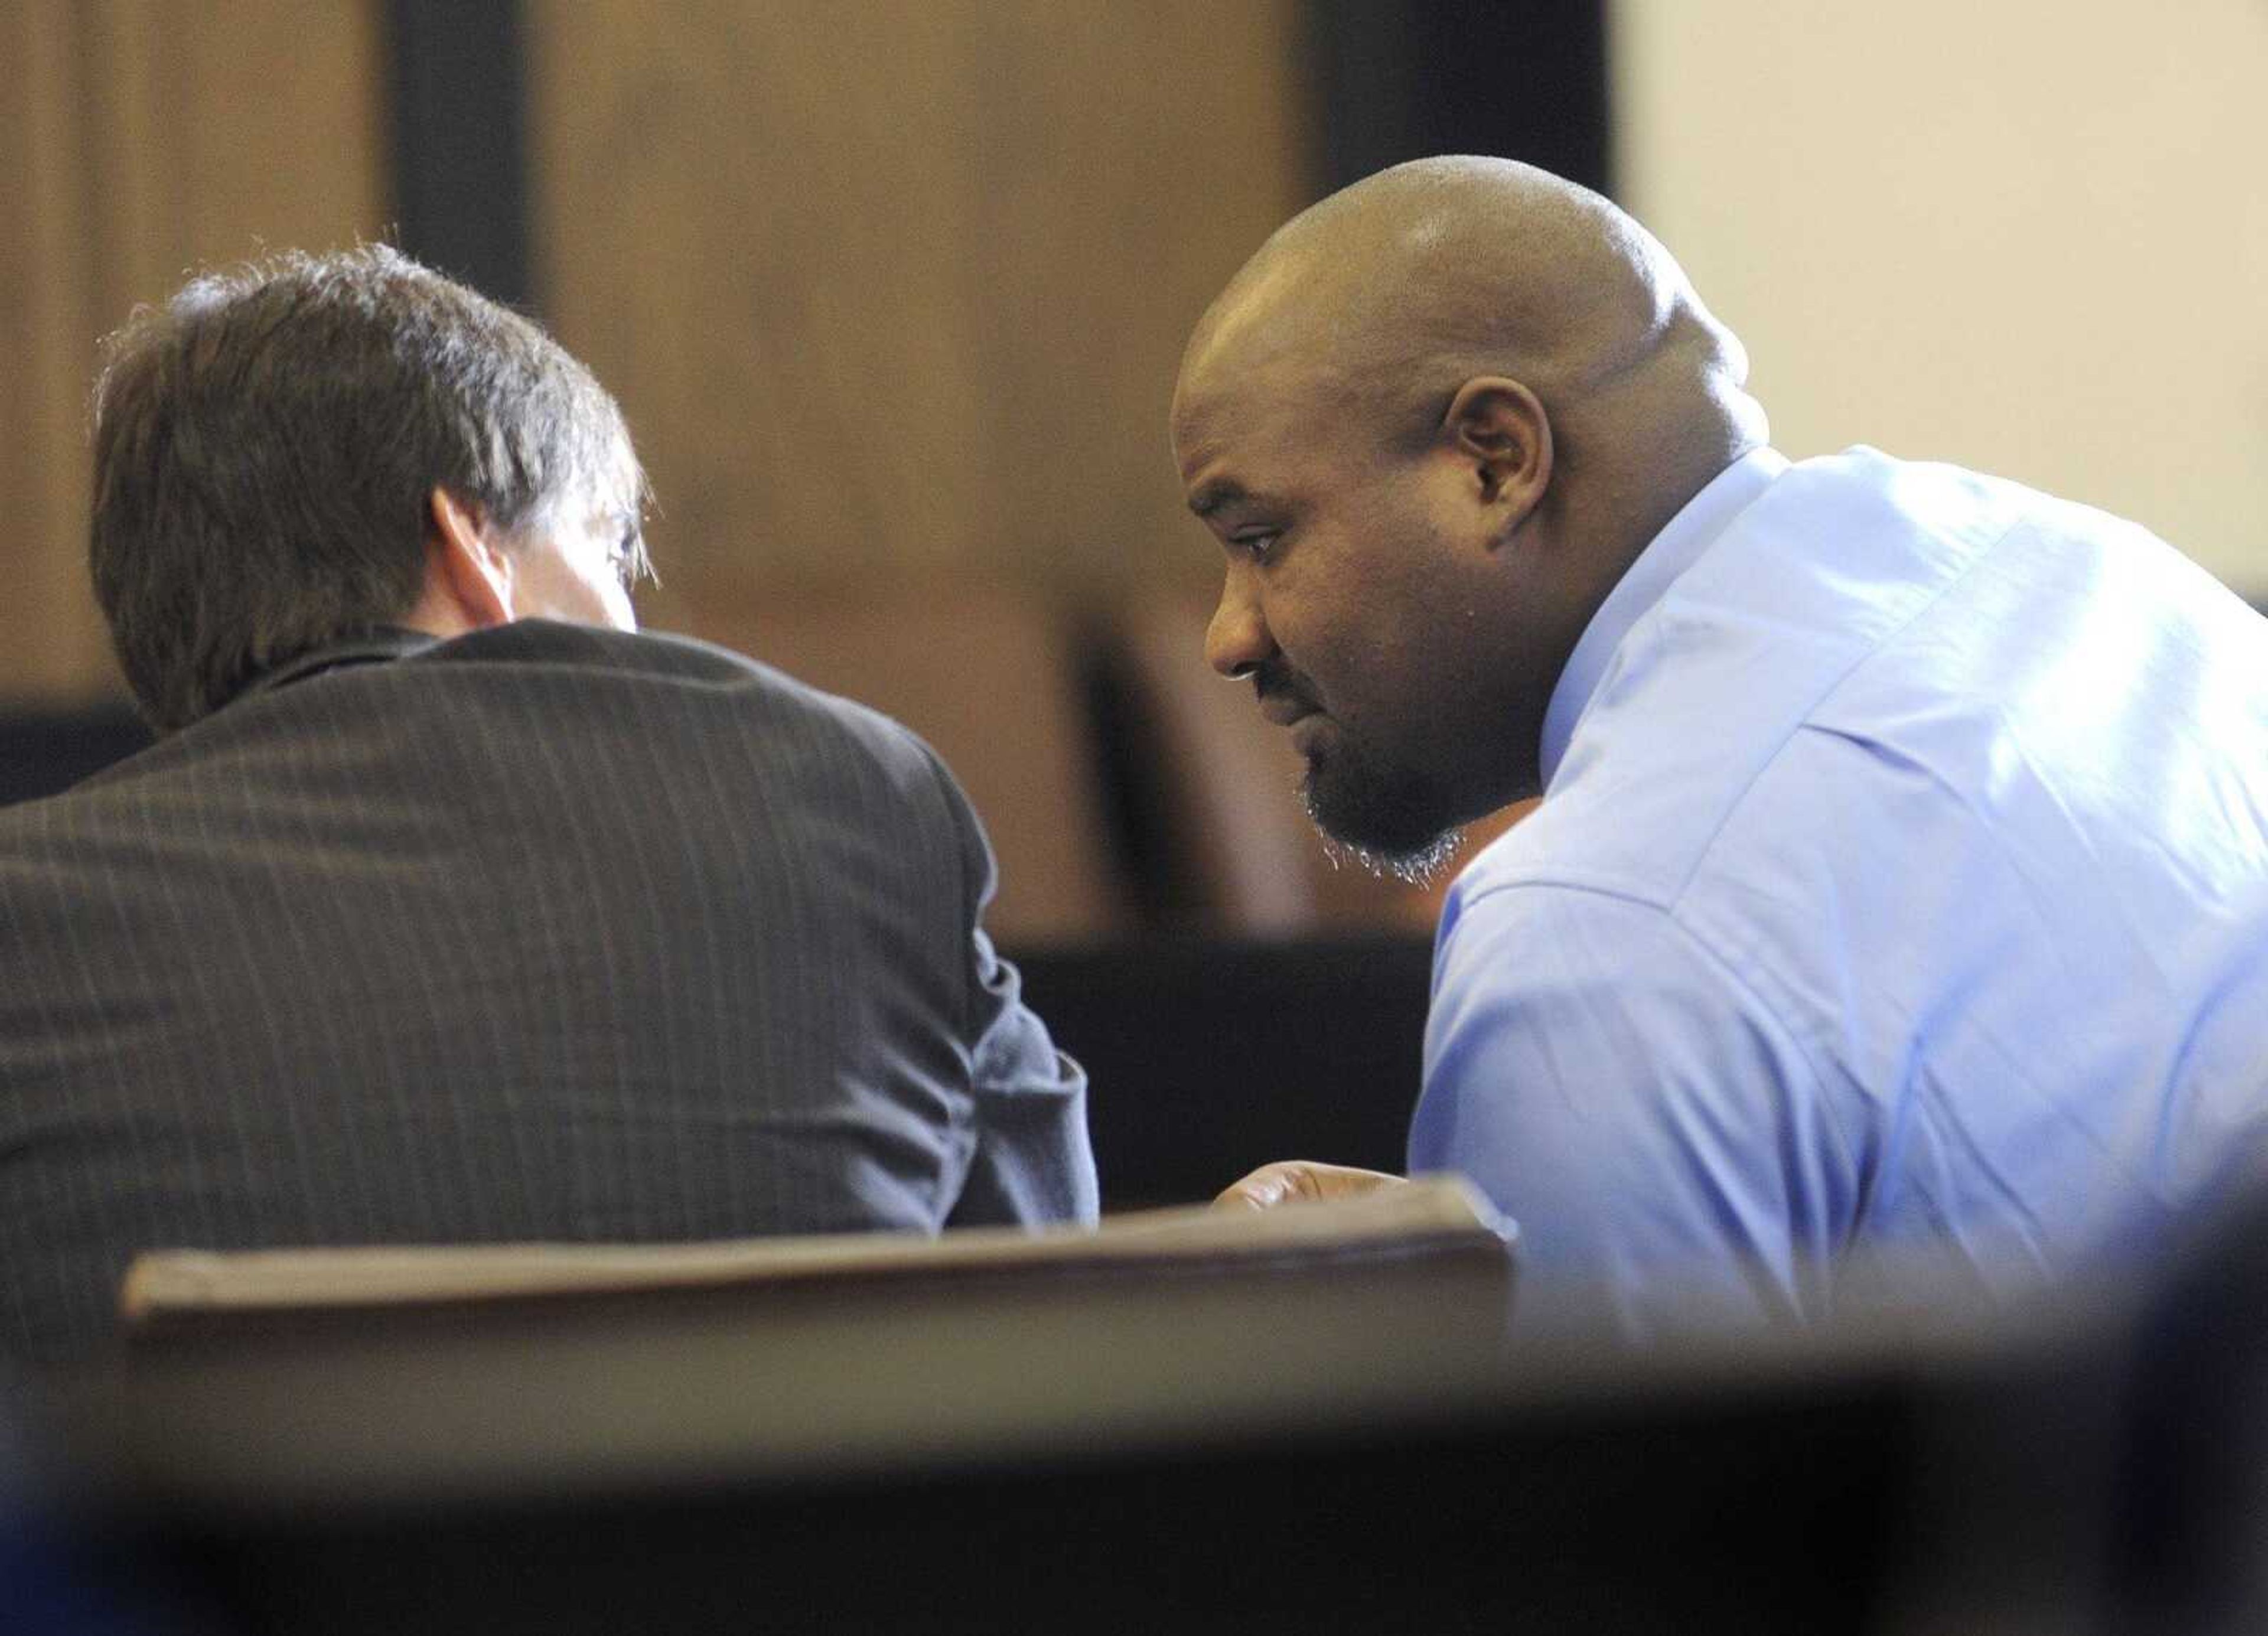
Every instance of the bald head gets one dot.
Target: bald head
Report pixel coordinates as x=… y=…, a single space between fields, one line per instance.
x=1386 y=296
x=1432 y=423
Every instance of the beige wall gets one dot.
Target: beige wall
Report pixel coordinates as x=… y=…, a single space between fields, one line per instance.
x=899 y=288
x=2028 y=235
x=147 y=137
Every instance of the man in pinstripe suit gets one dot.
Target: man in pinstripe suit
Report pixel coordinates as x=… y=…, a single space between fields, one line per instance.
x=447 y=907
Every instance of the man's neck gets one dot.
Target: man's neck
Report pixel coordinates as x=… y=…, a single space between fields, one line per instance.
x=437 y=614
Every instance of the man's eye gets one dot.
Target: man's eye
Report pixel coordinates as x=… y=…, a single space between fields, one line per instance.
x=1255 y=544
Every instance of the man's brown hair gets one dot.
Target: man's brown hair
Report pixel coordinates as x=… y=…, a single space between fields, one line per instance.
x=266 y=443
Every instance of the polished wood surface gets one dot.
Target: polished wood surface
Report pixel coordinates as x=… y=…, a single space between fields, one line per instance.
x=149 y=139
x=893 y=295
x=901 y=287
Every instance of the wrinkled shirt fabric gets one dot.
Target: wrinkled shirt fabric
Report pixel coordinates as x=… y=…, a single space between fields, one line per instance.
x=1897 y=912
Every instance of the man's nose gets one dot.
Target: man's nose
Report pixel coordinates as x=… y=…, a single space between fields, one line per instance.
x=1237 y=640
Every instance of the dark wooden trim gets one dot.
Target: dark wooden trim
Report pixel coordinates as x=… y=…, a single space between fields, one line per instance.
x=456 y=72
x=46 y=752
x=1398 y=79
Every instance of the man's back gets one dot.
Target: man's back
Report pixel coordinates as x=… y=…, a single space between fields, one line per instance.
x=546 y=933
x=1918 y=833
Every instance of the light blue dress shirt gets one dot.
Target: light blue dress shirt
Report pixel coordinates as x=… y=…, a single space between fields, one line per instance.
x=1898 y=907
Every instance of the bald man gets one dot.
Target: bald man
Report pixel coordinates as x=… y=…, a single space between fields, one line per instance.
x=1896 y=908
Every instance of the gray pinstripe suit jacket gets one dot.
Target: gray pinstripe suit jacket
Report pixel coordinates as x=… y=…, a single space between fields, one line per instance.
x=545 y=933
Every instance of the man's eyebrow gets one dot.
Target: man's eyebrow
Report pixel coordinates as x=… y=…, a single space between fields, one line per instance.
x=1220 y=491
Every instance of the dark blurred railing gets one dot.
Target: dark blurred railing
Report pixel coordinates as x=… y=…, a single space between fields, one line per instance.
x=43 y=753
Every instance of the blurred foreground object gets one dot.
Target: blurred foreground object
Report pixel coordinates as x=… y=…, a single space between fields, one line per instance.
x=462 y=1369
x=1173 y=1425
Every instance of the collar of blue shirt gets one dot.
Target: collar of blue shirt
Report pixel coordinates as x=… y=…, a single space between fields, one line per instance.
x=1667 y=555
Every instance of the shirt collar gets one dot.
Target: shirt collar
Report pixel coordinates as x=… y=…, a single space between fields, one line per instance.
x=1667 y=555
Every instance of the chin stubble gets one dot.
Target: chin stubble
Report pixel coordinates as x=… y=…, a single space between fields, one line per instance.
x=1418 y=865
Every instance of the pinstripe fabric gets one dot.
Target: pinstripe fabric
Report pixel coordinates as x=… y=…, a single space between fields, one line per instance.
x=546 y=933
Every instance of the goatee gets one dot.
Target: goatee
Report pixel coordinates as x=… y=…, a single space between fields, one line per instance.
x=1384 y=822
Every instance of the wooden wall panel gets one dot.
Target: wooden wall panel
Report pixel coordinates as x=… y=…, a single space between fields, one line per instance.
x=46 y=642
x=899 y=286
x=151 y=139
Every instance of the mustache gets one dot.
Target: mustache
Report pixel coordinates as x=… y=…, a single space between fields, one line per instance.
x=1274 y=679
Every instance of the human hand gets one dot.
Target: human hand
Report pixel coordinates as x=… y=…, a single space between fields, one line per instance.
x=1300 y=1181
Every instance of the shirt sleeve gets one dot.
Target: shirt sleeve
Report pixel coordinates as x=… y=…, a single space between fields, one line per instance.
x=1032 y=1161
x=1616 y=1090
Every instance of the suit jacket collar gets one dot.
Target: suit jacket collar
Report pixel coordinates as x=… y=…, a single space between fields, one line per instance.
x=377 y=645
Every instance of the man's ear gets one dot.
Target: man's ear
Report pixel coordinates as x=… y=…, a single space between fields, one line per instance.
x=1499 y=430
x=467 y=571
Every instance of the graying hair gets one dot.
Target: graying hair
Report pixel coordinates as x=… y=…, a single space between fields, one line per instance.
x=266 y=443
